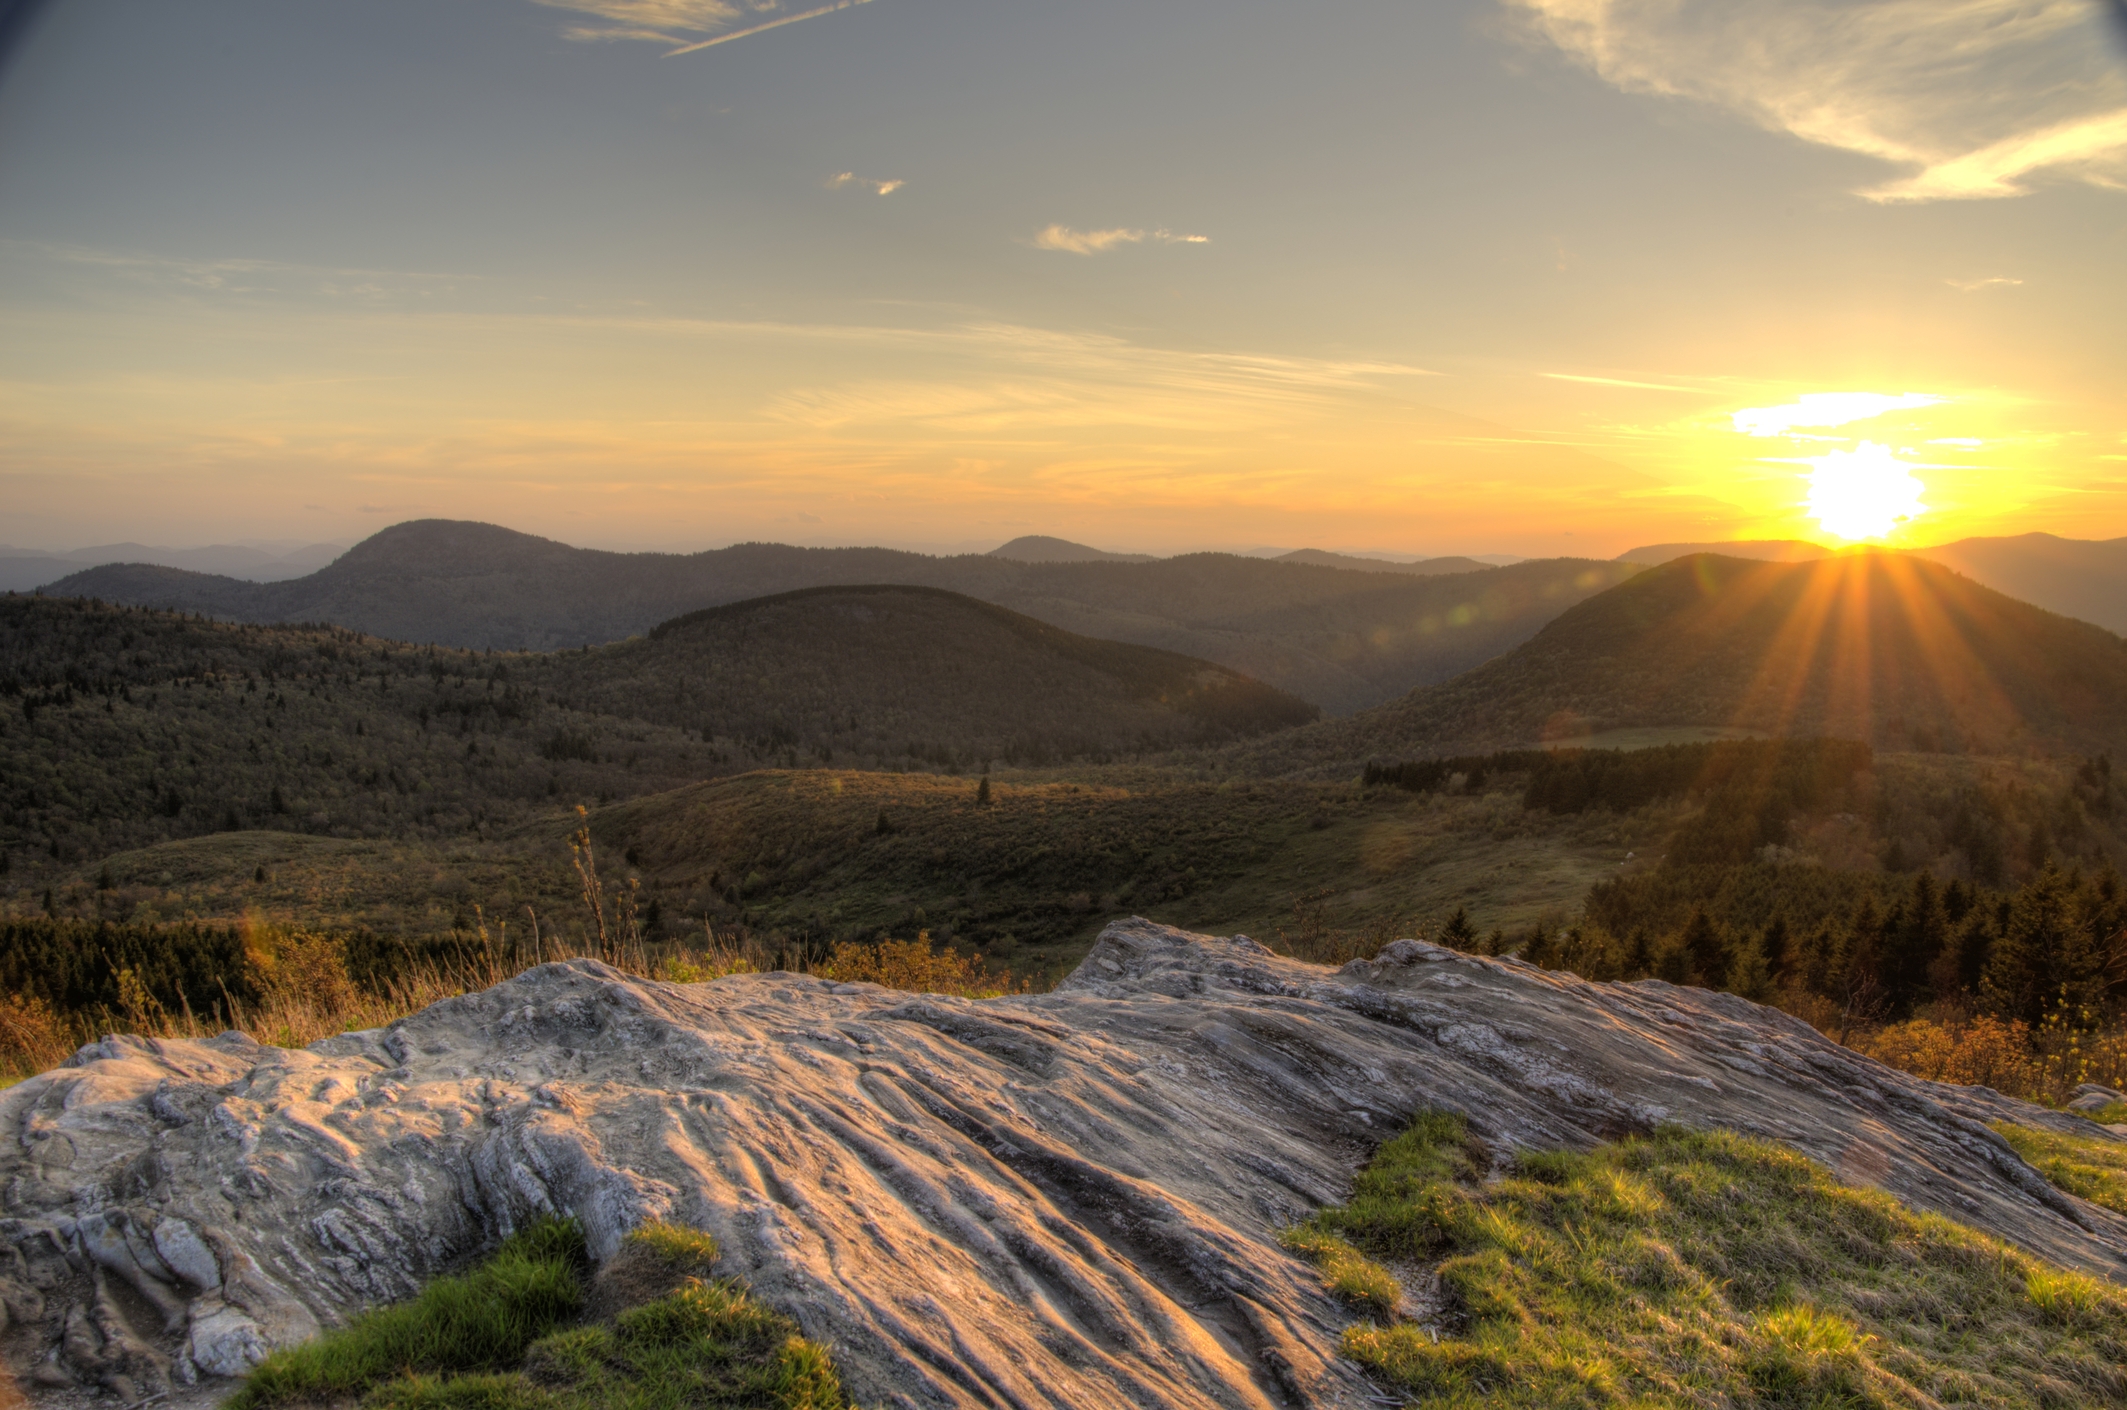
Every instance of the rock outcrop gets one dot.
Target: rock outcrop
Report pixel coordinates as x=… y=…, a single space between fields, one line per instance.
x=1066 y=1200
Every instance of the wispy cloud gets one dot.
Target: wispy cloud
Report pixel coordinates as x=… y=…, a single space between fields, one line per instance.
x=1096 y=242
x=686 y=26
x=1615 y=382
x=1979 y=97
x=238 y=277
x=1817 y=411
x=1973 y=286
x=850 y=178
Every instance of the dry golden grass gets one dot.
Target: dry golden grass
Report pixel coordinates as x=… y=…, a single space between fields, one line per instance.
x=307 y=993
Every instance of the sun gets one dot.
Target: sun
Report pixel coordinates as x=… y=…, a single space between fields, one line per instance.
x=1863 y=493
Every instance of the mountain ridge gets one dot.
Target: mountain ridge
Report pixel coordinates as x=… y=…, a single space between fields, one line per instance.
x=1339 y=638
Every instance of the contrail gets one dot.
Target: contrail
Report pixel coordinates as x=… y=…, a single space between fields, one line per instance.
x=772 y=24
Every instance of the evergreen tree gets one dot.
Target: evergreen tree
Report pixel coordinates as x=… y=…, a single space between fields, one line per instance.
x=1914 y=936
x=1749 y=972
x=982 y=791
x=1639 y=954
x=1705 y=949
x=2014 y=984
x=1671 y=961
x=1776 y=942
x=1458 y=933
x=1957 y=967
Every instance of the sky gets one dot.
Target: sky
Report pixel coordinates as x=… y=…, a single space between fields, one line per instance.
x=1512 y=276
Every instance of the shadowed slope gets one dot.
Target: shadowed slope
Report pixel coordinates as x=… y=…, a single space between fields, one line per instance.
x=2079 y=577
x=1879 y=647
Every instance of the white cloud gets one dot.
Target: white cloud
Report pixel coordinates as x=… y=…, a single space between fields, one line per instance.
x=1818 y=410
x=1973 y=286
x=850 y=178
x=1095 y=242
x=686 y=25
x=1977 y=96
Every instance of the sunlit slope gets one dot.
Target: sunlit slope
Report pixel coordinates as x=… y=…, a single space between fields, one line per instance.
x=877 y=675
x=1882 y=647
x=1340 y=638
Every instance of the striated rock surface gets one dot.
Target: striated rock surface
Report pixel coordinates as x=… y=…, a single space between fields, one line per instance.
x=1069 y=1200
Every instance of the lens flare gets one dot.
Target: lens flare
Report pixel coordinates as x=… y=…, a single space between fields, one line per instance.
x=1863 y=493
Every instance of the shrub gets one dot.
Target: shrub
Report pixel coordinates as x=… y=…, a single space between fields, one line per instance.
x=916 y=966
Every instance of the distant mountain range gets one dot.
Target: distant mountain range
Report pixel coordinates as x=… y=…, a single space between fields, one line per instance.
x=1040 y=548
x=22 y=569
x=1343 y=632
x=1654 y=555
x=1339 y=638
x=1883 y=647
x=1422 y=567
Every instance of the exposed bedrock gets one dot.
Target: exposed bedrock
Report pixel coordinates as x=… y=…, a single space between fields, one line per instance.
x=1067 y=1200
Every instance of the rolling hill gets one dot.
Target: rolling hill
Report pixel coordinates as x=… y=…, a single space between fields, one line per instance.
x=125 y=727
x=1881 y=647
x=1423 y=568
x=1653 y=555
x=878 y=675
x=1042 y=548
x=1339 y=639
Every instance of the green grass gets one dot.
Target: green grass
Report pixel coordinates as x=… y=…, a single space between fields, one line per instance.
x=1700 y=1269
x=507 y=1337
x=477 y=1321
x=2084 y=1166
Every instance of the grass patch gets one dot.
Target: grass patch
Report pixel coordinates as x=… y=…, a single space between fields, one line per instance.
x=1696 y=1269
x=477 y=1321
x=2084 y=1166
x=510 y=1336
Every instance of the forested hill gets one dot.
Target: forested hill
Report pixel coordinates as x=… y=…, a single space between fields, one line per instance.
x=1880 y=647
x=120 y=727
x=1339 y=638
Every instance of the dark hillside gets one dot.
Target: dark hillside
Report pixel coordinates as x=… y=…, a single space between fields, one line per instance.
x=1339 y=638
x=121 y=728
x=1879 y=647
x=876 y=675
